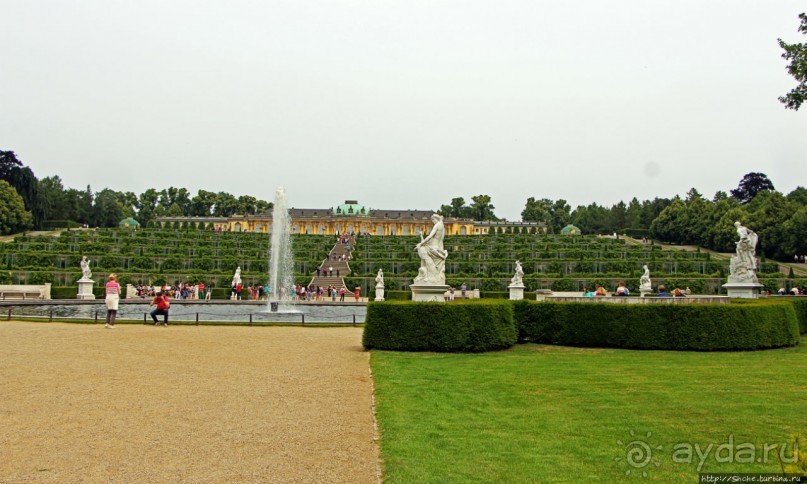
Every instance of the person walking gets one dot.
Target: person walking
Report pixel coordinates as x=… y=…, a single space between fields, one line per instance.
x=342 y=292
x=112 y=299
x=357 y=293
x=163 y=304
x=330 y=271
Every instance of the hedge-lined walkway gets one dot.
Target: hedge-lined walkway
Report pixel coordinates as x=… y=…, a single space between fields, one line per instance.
x=152 y=404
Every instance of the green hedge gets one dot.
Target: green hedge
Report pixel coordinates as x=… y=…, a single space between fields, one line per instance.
x=800 y=305
x=394 y=295
x=464 y=326
x=698 y=327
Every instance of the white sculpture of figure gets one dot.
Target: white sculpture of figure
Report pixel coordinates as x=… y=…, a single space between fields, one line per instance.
x=379 y=286
x=237 y=276
x=644 y=281
x=85 y=268
x=379 y=279
x=517 y=279
x=744 y=262
x=432 y=255
x=746 y=246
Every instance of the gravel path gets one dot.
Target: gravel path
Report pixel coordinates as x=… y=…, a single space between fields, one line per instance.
x=202 y=404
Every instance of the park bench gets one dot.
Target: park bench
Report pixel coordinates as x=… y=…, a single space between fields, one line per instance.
x=19 y=291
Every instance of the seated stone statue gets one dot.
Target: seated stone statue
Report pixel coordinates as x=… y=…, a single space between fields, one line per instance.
x=644 y=281
x=432 y=255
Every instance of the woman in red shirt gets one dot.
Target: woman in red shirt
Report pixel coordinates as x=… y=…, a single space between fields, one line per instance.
x=112 y=299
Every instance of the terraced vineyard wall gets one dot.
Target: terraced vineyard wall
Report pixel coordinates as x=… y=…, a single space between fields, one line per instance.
x=155 y=256
x=560 y=263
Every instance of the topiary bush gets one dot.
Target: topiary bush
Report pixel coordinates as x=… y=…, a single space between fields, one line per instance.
x=462 y=326
x=699 y=327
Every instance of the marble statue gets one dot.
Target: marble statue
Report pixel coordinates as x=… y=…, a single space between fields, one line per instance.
x=379 y=286
x=86 y=273
x=746 y=246
x=644 y=282
x=237 y=276
x=517 y=279
x=744 y=263
x=379 y=279
x=432 y=255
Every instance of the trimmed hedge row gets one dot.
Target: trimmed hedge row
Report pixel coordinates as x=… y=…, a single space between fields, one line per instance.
x=693 y=327
x=800 y=305
x=473 y=326
x=463 y=326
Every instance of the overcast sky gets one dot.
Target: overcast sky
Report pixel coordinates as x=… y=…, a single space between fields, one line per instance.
x=403 y=104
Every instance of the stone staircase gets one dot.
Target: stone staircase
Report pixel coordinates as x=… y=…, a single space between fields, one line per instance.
x=342 y=268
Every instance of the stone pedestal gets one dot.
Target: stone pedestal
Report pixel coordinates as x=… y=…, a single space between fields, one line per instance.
x=85 y=289
x=644 y=291
x=516 y=292
x=379 y=292
x=743 y=290
x=425 y=293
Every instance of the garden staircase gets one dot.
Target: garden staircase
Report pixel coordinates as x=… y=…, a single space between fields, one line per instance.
x=324 y=280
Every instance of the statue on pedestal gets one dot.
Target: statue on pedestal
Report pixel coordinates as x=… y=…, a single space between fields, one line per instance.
x=645 y=285
x=379 y=286
x=237 y=276
x=518 y=278
x=379 y=279
x=86 y=273
x=432 y=255
x=744 y=262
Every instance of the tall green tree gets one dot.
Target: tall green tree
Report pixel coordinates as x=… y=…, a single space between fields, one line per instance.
x=536 y=210
x=107 y=209
x=483 y=208
x=796 y=55
x=13 y=216
x=51 y=192
x=202 y=203
x=8 y=163
x=147 y=206
x=750 y=185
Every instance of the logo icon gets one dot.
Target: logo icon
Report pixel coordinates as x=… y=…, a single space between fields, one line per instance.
x=638 y=453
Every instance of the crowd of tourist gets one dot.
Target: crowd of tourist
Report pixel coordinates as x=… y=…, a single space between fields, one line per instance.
x=181 y=290
x=319 y=293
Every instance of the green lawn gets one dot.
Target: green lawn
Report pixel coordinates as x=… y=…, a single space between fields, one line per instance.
x=541 y=413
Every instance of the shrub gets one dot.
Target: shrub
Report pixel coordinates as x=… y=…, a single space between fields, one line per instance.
x=800 y=305
x=462 y=326
x=700 y=327
x=63 y=292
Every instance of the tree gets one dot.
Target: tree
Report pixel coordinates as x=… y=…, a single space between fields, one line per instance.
x=107 y=210
x=794 y=233
x=536 y=210
x=8 y=163
x=202 y=204
x=797 y=55
x=482 y=208
x=750 y=185
x=799 y=196
x=13 y=216
x=51 y=192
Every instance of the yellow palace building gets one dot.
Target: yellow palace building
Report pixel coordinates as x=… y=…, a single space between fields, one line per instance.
x=353 y=217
